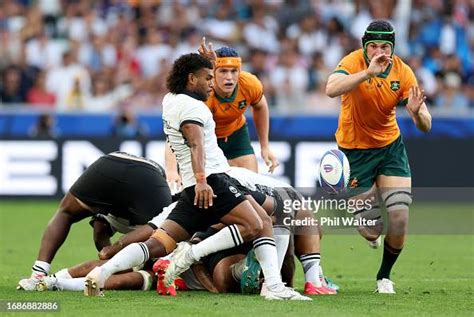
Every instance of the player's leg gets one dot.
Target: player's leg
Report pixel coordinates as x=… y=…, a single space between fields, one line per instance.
x=248 y=161
x=69 y=211
x=223 y=277
x=369 y=208
x=307 y=249
x=396 y=193
x=238 y=150
x=162 y=242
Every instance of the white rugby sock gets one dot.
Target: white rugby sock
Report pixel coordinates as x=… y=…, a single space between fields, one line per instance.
x=129 y=257
x=64 y=273
x=282 y=238
x=71 y=284
x=226 y=238
x=40 y=268
x=266 y=254
x=310 y=263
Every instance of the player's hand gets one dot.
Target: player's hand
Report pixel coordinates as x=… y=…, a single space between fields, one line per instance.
x=270 y=159
x=378 y=64
x=207 y=51
x=204 y=195
x=174 y=181
x=416 y=98
x=108 y=252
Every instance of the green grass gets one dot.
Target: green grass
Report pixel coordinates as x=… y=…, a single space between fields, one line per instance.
x=434 y=274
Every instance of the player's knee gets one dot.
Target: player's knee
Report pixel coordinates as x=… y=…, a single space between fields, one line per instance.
x=397 y=199
x=160 y=241
x=252 y=229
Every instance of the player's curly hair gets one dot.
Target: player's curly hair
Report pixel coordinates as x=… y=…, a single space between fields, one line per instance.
x=226 y=51
x=186 y=64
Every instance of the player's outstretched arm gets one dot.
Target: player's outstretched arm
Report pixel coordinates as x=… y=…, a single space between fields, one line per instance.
x=417 y=109
x=339 y=84
x=195 y=136
x=261 y=118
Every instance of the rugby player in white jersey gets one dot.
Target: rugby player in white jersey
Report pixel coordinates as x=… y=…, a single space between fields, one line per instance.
x=208 y=197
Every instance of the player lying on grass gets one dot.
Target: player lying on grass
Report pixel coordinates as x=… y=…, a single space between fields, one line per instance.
x=217 y=273
x=307 y=242
x=99 y=193
x=208 y=197
x=72 y=279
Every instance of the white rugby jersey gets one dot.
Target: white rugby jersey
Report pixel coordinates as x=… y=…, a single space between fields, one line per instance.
x=158 y=220
x=178 y=110
x=252 y=180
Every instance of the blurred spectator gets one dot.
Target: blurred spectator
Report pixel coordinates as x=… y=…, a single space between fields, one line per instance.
x=451 y=99
x=127 y=126
x=152 y=52
x=11 y=90
x=425 y=77
x=70 y=83
x=38 y=95
x=103 y=98
x=131 y=43
x=261 y=31
x=44 y=127
x=290 y=80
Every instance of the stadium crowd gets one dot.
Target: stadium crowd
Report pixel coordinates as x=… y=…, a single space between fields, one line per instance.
x=110 y=55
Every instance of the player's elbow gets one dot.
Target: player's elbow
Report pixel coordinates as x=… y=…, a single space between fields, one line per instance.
x=331 y=91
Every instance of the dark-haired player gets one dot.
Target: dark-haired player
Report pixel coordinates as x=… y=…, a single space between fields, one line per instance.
x=233 y=92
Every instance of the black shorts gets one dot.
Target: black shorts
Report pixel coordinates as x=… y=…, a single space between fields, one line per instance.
x=258 y=195
x=212 y=260
x=194 y=219
x=282 y=195
x=125 y=188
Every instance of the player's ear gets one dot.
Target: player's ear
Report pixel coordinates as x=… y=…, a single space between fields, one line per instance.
x=192 y=78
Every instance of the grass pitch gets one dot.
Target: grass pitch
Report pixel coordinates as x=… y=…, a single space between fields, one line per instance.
x=434 y=274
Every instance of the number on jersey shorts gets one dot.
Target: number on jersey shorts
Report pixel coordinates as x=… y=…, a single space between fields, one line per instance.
x=192 y=218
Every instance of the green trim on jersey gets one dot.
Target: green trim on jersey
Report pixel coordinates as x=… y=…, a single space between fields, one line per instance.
x=340 y=71
x=231 y=98
x=403 y=103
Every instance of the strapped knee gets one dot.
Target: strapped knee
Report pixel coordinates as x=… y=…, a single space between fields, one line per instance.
x=147 y=280
x=373 y=213
x=397 y=199
x=161 y=236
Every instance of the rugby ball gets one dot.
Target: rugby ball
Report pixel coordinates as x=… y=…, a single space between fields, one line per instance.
x=334 y=172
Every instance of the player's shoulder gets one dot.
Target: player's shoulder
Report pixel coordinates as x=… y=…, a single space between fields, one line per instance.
x=399 y=65
x=352 y=61
x=248 y=80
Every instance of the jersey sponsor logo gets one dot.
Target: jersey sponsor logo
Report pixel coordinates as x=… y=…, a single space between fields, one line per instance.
x=395 y=85
x=234 y=191
x=242 y=104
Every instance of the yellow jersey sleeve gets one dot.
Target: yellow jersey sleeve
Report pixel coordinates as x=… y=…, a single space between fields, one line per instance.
x=251 y=87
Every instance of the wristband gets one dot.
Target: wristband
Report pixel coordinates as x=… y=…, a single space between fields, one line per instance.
x=200 y=177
